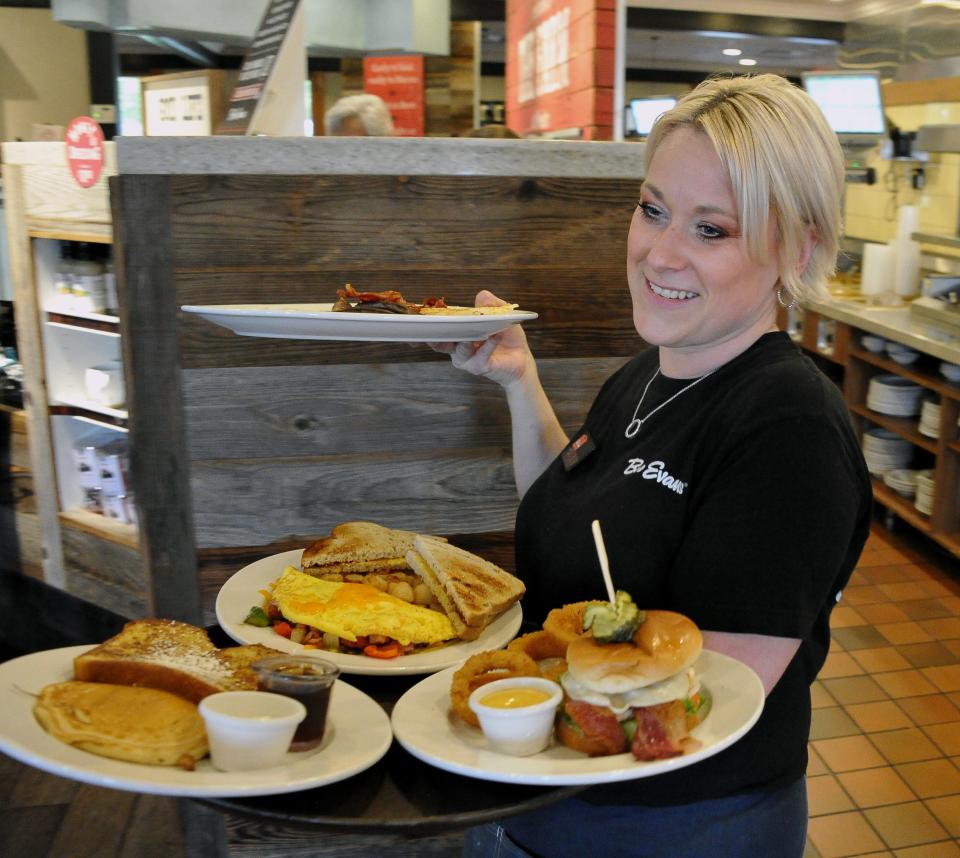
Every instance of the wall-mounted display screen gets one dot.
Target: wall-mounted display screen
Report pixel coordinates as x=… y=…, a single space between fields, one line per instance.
x=644 y=112
x=851 y=101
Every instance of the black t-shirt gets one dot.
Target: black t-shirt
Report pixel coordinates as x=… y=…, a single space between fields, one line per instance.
x=743 y=503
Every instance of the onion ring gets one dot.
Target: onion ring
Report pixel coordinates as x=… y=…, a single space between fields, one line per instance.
x=482 y=668
x=566 y=623
x=538 y=645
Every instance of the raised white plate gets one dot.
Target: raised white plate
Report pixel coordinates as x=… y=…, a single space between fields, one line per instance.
x=425 y=726
x=358 y=735
x=241 y=592
x=318 y=322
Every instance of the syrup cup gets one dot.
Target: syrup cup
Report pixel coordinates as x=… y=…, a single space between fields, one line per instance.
x=519 y=731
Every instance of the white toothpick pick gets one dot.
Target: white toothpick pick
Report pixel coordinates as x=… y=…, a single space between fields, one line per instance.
x=604 y=565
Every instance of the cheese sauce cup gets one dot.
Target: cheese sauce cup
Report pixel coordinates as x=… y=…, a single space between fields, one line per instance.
x=517 y=714
x=309 y=680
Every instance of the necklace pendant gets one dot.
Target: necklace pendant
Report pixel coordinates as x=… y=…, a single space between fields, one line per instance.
x=633 y=427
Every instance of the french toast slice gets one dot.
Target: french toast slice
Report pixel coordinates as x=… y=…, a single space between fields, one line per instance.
x=170 y=656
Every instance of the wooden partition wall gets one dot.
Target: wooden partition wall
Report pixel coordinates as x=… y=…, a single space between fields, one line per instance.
x=244 y=447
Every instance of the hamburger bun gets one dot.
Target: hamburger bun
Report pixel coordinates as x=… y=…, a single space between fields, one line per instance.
x=665 y=644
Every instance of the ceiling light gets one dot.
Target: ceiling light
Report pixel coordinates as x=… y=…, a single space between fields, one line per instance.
x=732 y=52
x=747 y=62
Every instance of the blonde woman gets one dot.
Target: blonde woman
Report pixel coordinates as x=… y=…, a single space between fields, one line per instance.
x=721 y=462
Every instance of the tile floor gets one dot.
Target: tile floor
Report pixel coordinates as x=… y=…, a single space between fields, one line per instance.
x=884 y=774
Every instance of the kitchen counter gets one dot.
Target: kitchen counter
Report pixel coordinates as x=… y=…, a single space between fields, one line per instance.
x=894 y=323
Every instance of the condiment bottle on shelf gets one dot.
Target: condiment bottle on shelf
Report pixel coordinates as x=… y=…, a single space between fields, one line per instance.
x=63 y=277
x=89 y=285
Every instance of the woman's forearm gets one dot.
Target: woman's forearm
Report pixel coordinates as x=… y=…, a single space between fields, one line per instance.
x=538 y=437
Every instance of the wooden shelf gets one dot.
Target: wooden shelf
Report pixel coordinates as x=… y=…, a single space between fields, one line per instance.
x=101 y=526
x=905 y=427
x=111 y=419
x=94 y=322
x=940 y=386
x=902 y=506
x=95 y=233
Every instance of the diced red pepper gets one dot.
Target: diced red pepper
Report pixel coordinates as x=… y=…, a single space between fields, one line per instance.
x=390 y=650
x=284 y=629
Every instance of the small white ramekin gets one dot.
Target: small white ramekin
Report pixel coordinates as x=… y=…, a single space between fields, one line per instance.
x=249 y=729
x=522 y=731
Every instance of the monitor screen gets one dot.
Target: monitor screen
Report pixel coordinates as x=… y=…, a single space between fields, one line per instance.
x=851 y=101
x=644 y=112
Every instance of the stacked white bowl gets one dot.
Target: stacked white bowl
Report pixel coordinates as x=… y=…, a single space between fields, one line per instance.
x=894 y=395
x=902 y=354
x=902 y=480
x=924 y=498
x=873 y=343
x=950 y=371
x=884 y=451
x=930 y=418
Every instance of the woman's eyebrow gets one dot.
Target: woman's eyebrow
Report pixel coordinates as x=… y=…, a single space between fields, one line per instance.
x=700 y=210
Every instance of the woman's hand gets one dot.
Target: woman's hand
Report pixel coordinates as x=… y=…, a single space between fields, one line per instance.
x=504 y=358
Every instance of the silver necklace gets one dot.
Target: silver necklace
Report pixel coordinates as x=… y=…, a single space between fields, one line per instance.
x=634 y=425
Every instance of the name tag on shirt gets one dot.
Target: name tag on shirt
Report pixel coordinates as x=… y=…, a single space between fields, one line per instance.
x=576 y=451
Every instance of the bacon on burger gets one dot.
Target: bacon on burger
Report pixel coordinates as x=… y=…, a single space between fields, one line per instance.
x=630 y=684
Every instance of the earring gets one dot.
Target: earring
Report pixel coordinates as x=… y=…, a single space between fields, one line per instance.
x=787 y=305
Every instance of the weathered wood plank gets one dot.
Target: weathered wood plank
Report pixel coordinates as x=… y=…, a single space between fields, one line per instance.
x=94 y=823
x=256 y=840
x=106 y=573
x=153 y=829
x=158 y=462
x=306 y=411
x=416 y=222
x=256 y=502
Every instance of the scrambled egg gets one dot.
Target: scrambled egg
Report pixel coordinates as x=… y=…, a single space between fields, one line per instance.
x=349 y=610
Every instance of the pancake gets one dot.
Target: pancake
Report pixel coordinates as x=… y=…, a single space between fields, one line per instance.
x=138 y=725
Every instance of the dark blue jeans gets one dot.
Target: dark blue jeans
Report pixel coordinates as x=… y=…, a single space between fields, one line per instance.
x=752 y=825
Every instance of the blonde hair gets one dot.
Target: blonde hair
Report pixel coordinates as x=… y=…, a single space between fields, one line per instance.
x=781 y=157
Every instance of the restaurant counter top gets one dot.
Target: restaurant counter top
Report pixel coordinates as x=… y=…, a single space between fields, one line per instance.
x=295 y=156
x=894 y=323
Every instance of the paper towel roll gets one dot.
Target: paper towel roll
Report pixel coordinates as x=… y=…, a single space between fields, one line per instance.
x=876 y=269
x=908 y=220
x=906 y=268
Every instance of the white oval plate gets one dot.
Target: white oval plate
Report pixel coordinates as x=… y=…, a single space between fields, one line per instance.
x=318 y=322
x=241 y=592
x=425 y=726
x=358 y=735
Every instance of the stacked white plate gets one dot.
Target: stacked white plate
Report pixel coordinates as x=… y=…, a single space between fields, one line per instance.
x=894 y=395
x=902 y=481
x=924 y=499
x=884 y=451
x=902 y=354
x=930 y=418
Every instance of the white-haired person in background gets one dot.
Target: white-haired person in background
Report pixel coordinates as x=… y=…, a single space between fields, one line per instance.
x=358 y=116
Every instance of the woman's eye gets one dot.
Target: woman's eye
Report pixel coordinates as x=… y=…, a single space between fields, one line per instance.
x=650 y=211
x=710 y=232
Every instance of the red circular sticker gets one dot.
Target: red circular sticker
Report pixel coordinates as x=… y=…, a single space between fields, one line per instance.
x=85 y=150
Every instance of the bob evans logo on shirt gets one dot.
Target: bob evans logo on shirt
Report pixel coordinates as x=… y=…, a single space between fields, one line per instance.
x=655 y=470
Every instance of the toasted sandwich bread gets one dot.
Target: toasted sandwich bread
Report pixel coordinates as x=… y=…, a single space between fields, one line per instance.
x=139 y=725
x=471 y=590
x=358 y=548
x=170 y=656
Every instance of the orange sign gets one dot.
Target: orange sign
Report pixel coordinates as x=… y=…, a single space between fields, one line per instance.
x=85 y=150
x=560 y=66
x=399 y=82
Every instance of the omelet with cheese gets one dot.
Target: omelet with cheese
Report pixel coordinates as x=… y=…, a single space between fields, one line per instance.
x=349 y=610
